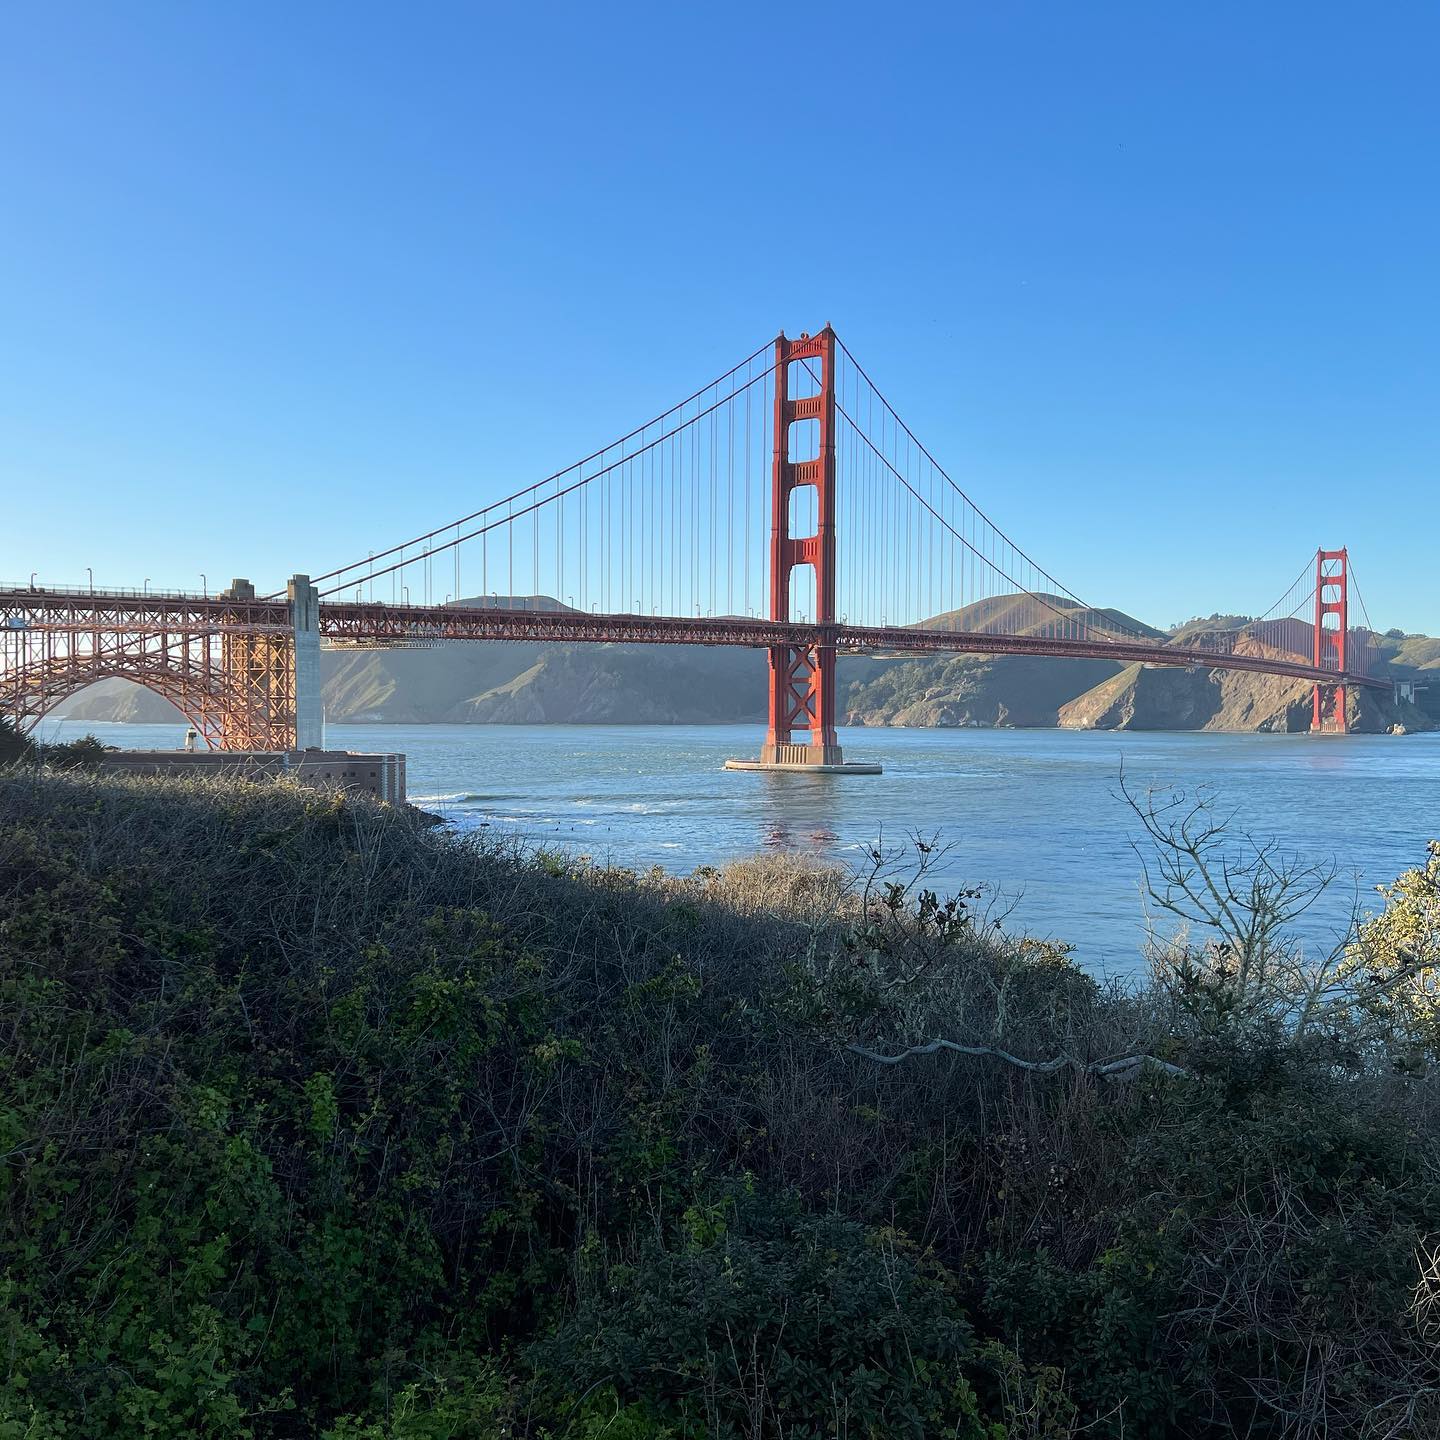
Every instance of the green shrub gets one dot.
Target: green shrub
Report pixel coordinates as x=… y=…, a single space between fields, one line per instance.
x=314 y=1121
x=775 y=1323
x=1262 y=1266
x=86 y=753
x=13 y=745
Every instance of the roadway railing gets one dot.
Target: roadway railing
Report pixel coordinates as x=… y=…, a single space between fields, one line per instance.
x=102 y=592
x=375 y=622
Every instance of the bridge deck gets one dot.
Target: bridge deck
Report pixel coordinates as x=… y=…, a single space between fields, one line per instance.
x=368 y=622
x=84 y=613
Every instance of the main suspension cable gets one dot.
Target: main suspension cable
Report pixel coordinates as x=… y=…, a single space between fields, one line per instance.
x=548 y=480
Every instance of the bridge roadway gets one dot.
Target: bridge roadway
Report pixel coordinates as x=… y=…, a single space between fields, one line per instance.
x=360 y=621
x=180 y=616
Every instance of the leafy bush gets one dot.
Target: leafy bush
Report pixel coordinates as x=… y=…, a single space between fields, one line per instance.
x=1262 y=1267
x=316 y=1121
x=752 y=1322
x=1396 y=956
x=86 y=753
x=13 y=745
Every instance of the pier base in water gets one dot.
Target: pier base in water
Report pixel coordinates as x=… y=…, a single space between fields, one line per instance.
x=805 y=759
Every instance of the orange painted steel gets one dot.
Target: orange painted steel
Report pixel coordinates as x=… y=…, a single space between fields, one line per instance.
x=802 y=676
x=365 y=622
x=230 y=662
x=227 y=663
x=1332 y=597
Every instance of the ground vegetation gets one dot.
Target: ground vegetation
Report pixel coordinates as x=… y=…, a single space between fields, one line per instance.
x=316 y=1121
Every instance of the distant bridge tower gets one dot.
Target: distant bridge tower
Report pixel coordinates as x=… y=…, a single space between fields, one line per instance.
x=1332 y=602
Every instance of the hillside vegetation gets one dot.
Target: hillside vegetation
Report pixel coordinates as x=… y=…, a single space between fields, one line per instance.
x=1152 y=697
x=315 y=1122
x=1411 y=652
x=1020 y=690
x=1038 y=615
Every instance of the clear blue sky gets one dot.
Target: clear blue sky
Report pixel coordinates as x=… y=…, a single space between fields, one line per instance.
x=1160 y=284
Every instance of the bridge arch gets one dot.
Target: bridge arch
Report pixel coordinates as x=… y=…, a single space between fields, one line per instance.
x=218 y=709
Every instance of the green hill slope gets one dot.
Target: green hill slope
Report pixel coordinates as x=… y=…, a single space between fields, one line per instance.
x=1040 y=615
x=971 y=690
x=1157 y=697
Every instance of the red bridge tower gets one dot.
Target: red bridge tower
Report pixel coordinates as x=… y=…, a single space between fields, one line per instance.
x=802 y=677
x=1332 y=598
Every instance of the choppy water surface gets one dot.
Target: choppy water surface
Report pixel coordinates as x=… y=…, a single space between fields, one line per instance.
x=1034 y=813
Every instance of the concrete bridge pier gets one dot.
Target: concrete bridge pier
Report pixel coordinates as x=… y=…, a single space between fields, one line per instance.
x=305 y=620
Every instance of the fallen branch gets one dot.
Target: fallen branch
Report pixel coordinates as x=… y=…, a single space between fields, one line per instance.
x=1125 y=1068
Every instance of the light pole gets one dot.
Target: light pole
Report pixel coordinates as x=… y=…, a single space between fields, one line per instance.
x=145 y=589
x=91 y=574
x=204 y=585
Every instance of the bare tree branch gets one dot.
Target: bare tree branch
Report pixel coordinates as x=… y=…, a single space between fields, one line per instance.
x=1125 y=1068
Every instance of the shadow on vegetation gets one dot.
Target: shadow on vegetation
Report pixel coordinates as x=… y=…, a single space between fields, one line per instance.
x=317 y=1121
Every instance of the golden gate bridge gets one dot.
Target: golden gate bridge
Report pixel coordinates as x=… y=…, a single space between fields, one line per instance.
x=784 y=507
